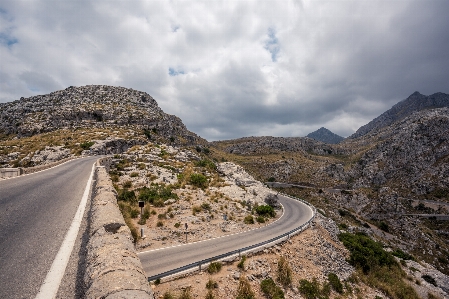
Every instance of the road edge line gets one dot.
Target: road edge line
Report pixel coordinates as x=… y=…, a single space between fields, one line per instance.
x=50 y=286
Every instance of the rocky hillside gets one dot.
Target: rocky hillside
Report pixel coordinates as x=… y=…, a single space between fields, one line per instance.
x=93 y=106
x=415 y=102
x=273 y=145
x=393 y=178
x=326 y=136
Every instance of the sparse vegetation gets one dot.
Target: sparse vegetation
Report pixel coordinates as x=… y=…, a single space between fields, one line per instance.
x=248 y=219
x=376 y=266
x=335 y=282
x=214 y=267
x=265 y=210
x=270 y=289
x=198 y=179
x=241 y=264
x=244 y=290
x=284 y=272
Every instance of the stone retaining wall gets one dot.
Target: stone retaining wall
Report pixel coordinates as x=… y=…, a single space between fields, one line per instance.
x=113 y=268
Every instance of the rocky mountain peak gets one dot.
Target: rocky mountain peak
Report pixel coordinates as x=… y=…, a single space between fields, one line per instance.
x=326 y=136
x=92 y=106
x=414 y=103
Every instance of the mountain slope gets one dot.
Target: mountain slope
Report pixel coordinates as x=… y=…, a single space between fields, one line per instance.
x=325 y=135
x=93 y=106
x=415 y=102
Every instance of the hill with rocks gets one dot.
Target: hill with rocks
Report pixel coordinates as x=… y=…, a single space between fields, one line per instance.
x=93 y=106
x=390 y=183
x=415 y=102
x=326 y=136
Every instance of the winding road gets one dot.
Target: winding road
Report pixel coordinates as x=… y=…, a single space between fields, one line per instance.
x=159 y=261
x=36 y=212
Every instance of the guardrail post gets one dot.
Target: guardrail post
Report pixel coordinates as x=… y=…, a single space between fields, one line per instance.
x=199 y=266
x=239 y=252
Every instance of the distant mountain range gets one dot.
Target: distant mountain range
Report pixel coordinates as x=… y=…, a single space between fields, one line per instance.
x=326 y=136
x=415 y=102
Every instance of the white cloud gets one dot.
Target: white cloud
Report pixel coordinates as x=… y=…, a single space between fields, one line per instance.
x=233 y=68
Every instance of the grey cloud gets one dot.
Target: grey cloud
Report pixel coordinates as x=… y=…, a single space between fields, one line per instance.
x=233 y=69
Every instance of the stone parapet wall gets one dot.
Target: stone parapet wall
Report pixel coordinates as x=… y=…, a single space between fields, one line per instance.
x=113 y=268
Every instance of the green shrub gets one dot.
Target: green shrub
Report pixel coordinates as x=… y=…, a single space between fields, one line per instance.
x=127 y=184
x=335 y=282
x=244 y=289
x=214 y=267
x=260 y=219
x=265 y=210
x=402 y=255
x=366 y=253
x=185 y=294
x=157 y=194
x=206 y=163
x=146 y=213
x=199 y=180
x=134 y=213
x=271 y=179
x=284 y=273
x=377 y=267
x=248 y=219
x=209 y=295
x=134 y=174
x=270 y=289
x=211 y=284
x=309 y=290
x=160 y=224
x=241 y=264
x=126 y=195
x=177 y=224
x=86 y=145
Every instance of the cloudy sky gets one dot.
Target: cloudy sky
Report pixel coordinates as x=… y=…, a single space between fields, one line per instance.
x=233 y=68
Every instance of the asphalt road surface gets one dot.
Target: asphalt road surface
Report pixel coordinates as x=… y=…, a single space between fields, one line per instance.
x=36 y=211
x=156 y=262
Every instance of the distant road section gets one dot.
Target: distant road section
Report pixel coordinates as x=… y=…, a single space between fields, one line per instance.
x=156 y=262
x=36 y=211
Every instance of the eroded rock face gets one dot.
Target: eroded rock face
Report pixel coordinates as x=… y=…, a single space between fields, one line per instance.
x=93 y=106
x=49 y=155
x=112 y=145
x=241 y=184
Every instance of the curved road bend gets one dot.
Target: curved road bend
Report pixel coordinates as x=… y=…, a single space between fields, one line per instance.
x=156 y=262
x=36 y=211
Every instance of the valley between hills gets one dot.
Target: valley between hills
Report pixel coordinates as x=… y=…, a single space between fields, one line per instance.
x=382 y=194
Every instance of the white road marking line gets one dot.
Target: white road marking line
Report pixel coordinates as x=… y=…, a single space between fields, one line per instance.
x=50 y=287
